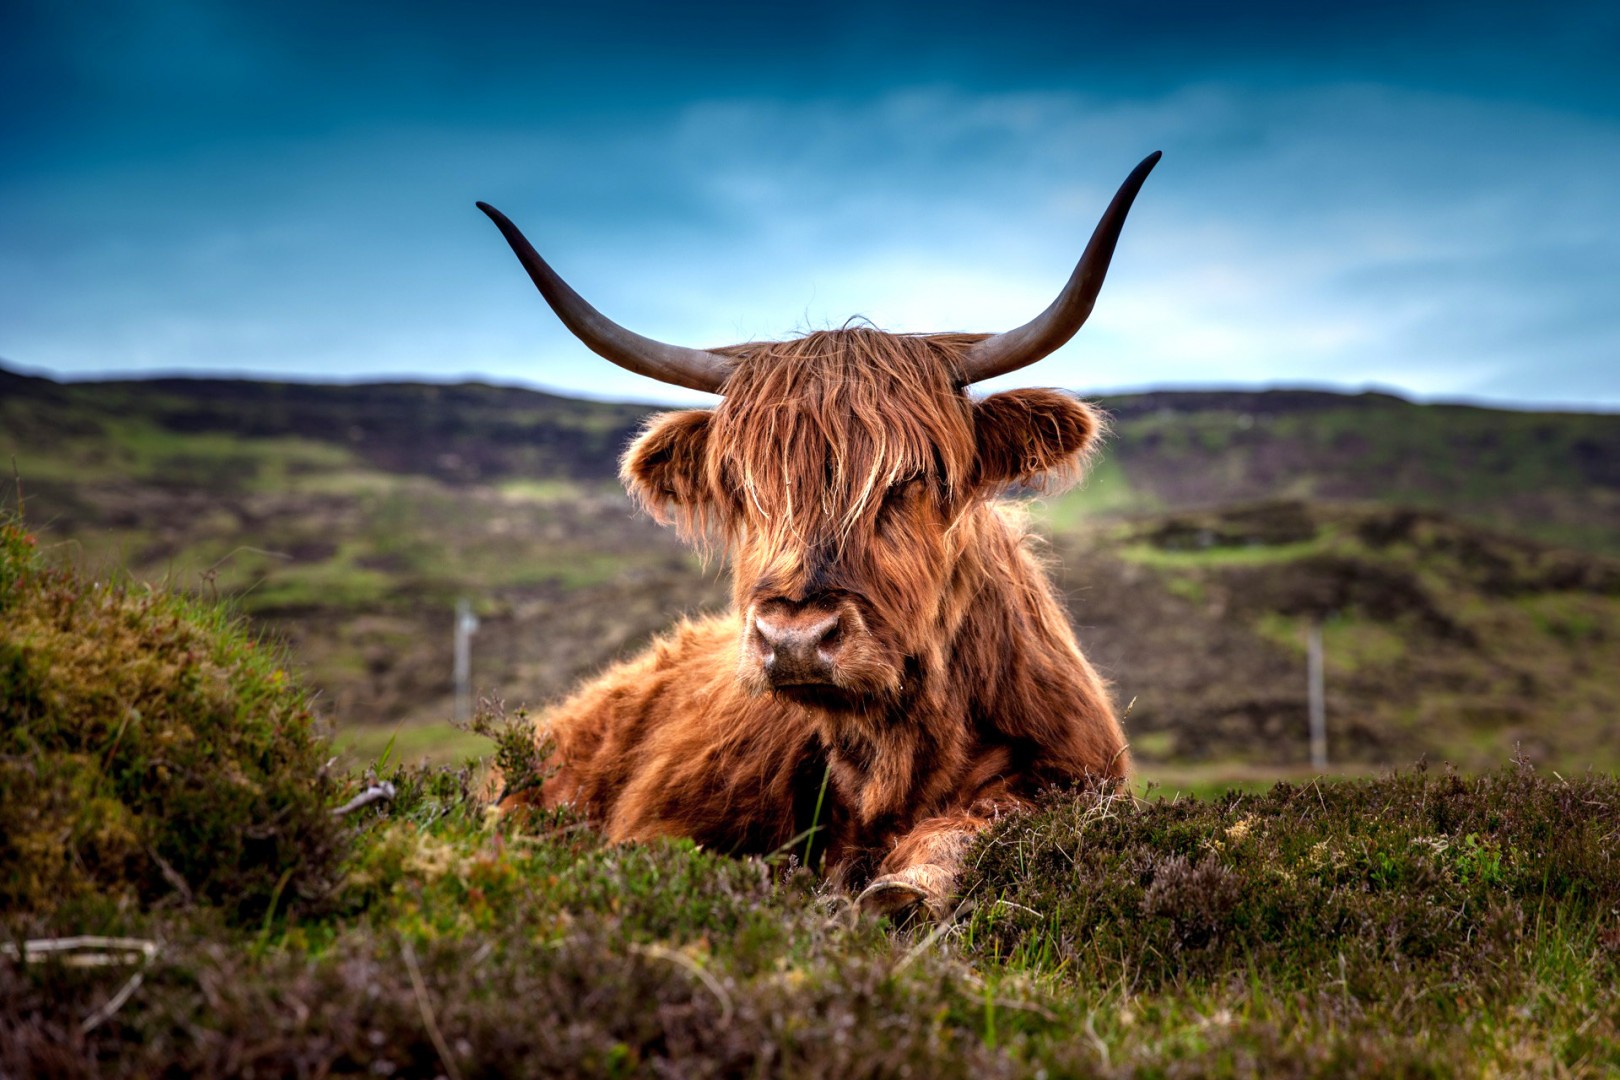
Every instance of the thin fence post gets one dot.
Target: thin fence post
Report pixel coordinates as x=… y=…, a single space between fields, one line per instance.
x=466 y=624
x=1318 y=706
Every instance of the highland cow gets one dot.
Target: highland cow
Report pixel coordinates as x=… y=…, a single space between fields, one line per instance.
x=895 y=669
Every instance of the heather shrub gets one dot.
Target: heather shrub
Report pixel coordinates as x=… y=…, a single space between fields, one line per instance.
x=151 y=753
x=1374 y=883
x=160 y=778
x=1098 y=938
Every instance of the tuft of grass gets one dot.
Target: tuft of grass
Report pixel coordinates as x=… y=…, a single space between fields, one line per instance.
x=152 y=752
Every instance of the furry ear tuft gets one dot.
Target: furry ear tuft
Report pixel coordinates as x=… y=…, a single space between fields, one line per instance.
x=665 y=467
x=1034 y=438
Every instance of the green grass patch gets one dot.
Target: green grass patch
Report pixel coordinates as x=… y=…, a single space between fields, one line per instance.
x=1153 y=744
x=1572 y=618
x=336 y=583
x=1349 y=643
x=1174 y=780
x=136 y=449
x=1352 y=644
x=525 y=490
x=1187 y=584
x=1105 y=492
x=1219 y=555
x=434 y=744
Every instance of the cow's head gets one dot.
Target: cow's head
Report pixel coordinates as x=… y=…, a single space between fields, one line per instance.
x=839 y=470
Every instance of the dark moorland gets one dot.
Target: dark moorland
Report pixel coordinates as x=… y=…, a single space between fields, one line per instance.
x=205 y=575
x=1463 y=561
x=178 y=897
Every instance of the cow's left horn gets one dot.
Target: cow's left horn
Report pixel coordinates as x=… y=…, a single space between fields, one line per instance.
x=695 y=369
x=1049 y=330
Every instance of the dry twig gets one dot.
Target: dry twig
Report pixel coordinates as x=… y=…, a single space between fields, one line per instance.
x=91 y=951
x=427 y=1011
x=374 y=793
x=708 y=980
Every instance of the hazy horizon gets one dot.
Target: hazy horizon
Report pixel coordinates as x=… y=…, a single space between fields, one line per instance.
x=653 y=398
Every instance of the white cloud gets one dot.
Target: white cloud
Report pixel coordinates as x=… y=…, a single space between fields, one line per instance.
x=1338 y=235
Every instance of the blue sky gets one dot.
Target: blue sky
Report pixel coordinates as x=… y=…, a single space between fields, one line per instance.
x=1413 y=196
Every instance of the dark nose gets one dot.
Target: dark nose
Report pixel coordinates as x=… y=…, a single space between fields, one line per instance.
x=797 y=645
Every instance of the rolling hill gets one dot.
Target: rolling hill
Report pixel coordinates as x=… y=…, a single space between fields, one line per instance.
x=1461 y=559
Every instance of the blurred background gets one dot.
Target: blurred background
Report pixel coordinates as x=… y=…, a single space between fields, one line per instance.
x=1359 y=341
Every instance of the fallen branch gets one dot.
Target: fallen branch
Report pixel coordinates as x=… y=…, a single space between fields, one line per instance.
x=84 y=951
x=91 y=951
x=374 y=793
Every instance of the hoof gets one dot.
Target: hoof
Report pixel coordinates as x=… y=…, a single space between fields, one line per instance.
x=890 y=896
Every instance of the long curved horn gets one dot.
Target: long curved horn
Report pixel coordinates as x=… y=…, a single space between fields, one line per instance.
x=1049 y=330
x=695 y=369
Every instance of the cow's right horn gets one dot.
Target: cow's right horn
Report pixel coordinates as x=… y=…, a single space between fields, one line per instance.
x=695 y=369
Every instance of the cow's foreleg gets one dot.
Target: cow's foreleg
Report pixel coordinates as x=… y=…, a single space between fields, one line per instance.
x=922 y=868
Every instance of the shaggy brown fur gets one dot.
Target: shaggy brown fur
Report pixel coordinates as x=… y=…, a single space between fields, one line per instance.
x=849 y=479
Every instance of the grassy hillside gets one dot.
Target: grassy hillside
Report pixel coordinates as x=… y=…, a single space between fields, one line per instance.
x=347 y=520
x=1440 y=639
x=1550 y=476
x=212 y=902
x=172 y=431
x=1553 y=476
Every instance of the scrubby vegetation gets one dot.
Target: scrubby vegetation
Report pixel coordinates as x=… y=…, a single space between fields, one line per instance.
x=151 y=753
x=348 y=520
x=1423 y=924
x=1441 y=638
x=166 y=801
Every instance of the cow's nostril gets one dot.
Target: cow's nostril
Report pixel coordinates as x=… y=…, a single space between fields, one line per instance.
x=761 y=641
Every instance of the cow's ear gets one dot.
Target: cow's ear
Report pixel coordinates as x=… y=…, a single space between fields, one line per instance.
x=1034 y=438
x=664 y=467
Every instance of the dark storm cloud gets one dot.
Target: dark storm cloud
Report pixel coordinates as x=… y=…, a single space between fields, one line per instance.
x=1412 y=195
x=192 y=63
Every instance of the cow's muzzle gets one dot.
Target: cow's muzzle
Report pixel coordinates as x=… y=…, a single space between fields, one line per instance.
x=796 y=644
